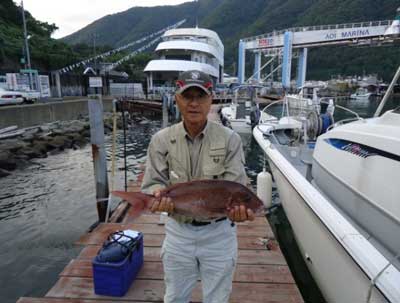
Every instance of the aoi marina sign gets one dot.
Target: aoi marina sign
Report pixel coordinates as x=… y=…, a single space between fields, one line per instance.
x=280 y=43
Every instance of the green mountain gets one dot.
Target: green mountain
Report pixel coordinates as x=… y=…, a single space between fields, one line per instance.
x=231 y=19
x=47 y=54
x=235 y=19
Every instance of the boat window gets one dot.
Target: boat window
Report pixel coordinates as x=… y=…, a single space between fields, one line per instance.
x=178 y=57
x=397 y=110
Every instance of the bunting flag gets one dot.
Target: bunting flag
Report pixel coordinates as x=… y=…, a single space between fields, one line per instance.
x=116 y=50
x=132 y=54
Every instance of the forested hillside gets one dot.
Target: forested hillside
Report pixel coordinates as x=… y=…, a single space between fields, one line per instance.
x=231 y=19
x=47 y=54
x=235 y=19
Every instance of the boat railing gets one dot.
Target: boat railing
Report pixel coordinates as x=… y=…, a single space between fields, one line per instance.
x=327 y=101
x=264 y=113
x=266 y=118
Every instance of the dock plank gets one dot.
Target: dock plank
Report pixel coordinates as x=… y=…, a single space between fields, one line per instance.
x=245 y=256
x=153 y=291
x=103 y=230
x=154 y=240
x=82 y=268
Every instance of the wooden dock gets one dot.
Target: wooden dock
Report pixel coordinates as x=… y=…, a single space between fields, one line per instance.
x=262 y=274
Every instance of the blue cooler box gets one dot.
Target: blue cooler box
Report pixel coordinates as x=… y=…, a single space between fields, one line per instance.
x=115 y=278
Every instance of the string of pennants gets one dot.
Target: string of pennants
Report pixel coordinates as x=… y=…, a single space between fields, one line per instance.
x=134 y=53
x=116 y=50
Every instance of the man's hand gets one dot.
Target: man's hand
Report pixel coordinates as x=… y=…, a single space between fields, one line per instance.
x=161 y=204
x=240 y=214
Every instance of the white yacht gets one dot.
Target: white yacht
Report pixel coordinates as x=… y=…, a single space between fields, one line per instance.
x=339 y=185
x=184 y=49
x=361 y=94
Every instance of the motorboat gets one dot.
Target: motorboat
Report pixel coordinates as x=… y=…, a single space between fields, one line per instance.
x=361 y=94
x=237 y=116
x=244 y=112
x=338 y=182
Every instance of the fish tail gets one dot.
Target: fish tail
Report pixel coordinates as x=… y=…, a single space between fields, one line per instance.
x=138 y=201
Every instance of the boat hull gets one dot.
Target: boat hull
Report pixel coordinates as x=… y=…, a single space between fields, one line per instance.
x=340 y=278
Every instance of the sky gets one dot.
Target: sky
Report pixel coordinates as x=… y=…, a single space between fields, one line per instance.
x=72 y=15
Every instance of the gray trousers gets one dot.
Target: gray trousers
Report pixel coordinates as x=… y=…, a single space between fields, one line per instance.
x=205 y=252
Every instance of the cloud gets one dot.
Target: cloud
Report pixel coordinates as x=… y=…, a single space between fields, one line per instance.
x=72 y=15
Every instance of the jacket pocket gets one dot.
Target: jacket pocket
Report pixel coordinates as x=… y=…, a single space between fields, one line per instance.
x=213 y=171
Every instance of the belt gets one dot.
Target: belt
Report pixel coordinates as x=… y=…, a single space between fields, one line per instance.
x=202 y=223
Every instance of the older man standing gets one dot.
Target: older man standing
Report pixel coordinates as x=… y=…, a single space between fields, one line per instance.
x=191 y=150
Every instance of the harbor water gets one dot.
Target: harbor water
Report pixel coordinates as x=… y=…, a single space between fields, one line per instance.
x=48 y=205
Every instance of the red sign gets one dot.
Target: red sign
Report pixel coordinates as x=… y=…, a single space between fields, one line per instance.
x=264 y=42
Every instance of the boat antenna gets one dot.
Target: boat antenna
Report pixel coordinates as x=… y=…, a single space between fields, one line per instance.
x=388 y=93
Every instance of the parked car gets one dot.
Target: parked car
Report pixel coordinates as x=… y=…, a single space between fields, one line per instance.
x=30 y=96
x=10 y=97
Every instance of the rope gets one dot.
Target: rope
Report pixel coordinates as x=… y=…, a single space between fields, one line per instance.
x=125 y=163
x=114 y=134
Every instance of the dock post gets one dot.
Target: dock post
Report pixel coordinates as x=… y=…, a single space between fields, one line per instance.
x=165 y=99
x=58 y=84
x=95 y=106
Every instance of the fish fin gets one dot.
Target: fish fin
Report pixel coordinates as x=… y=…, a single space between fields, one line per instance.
x=139 y=201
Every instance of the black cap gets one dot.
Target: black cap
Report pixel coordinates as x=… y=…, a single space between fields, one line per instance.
x=194 y=78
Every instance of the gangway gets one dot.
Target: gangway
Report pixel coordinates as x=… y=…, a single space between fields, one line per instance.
x=374 y=33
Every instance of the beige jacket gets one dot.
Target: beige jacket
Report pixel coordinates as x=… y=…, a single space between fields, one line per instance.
x=173 y=157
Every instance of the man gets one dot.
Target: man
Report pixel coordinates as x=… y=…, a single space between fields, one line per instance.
x=196 y=149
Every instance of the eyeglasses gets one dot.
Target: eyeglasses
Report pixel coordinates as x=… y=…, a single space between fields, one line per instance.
x=201 y=97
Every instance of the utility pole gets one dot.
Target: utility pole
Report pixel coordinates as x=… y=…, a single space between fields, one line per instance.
x=28 y=56
x=197 y=14
x=95 y=67
x=94 y=52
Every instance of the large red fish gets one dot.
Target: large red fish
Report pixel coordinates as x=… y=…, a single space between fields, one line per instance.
x=201 y=200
